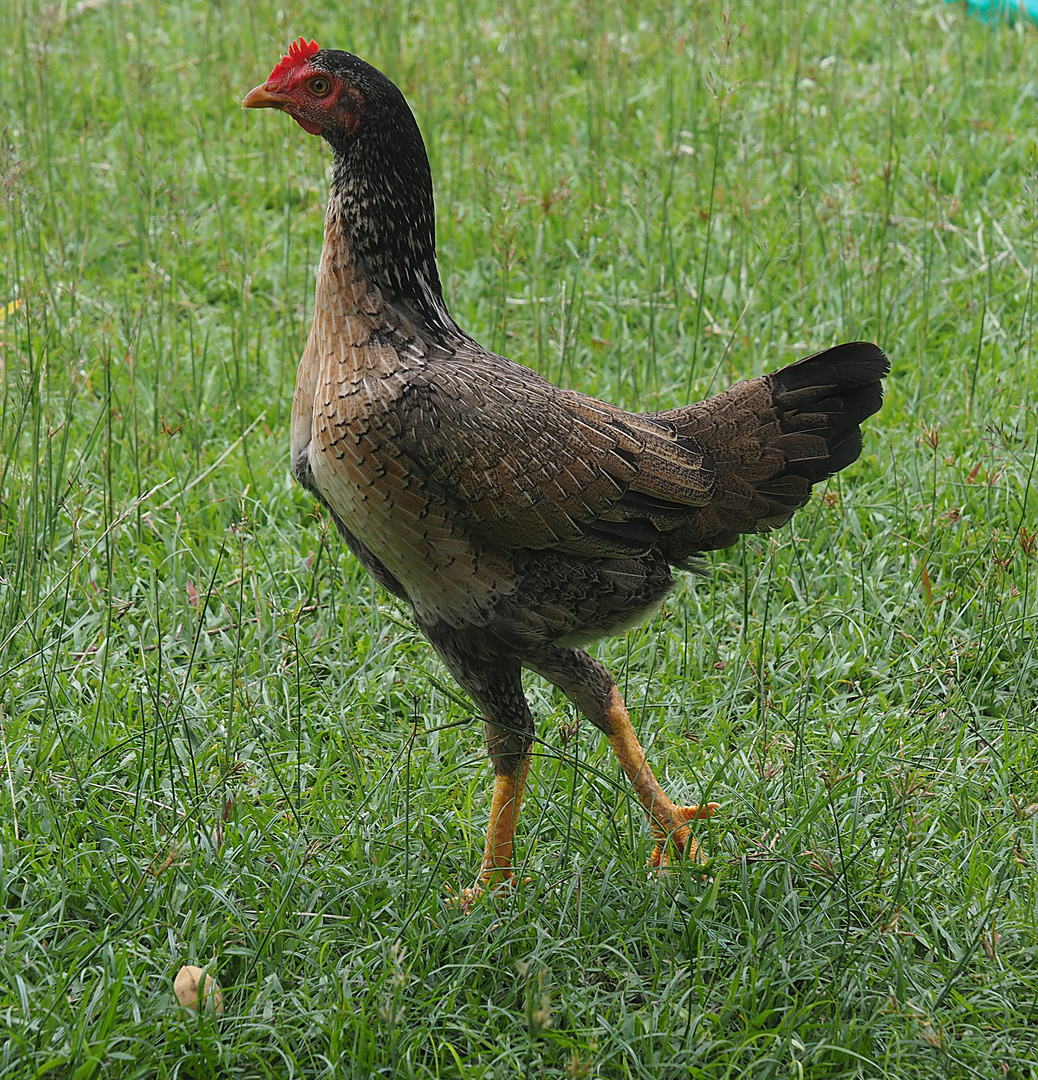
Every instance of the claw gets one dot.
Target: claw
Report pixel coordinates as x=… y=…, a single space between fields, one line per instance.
x=465 y=900
x=678 y=840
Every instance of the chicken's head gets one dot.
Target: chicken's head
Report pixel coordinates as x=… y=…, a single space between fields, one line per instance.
x=321 y=100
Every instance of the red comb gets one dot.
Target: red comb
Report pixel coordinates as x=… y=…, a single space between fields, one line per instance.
x=298 y=51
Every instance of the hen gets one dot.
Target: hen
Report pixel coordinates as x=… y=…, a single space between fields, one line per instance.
x=519 y=521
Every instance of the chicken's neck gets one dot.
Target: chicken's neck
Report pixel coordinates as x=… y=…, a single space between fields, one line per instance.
x=381 y=224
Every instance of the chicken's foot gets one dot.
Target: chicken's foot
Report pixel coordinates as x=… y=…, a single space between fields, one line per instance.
x=667 y=820
x=591 y=688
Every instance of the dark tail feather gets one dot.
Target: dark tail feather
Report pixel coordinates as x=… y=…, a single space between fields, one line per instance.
x=771 y=438
x=830 y=394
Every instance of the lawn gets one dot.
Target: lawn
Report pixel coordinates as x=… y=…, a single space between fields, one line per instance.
x=221 y=744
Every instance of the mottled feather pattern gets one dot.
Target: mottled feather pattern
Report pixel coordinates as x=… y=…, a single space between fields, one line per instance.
x=503 y=460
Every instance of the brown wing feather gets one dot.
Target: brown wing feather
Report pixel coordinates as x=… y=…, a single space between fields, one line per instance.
x=533 y=466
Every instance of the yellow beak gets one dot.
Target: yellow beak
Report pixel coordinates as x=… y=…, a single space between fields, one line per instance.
x=259 y=97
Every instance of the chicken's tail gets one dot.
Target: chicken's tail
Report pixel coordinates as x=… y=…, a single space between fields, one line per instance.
x=771 y=438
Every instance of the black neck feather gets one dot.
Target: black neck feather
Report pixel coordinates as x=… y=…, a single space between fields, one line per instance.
x=382 y=193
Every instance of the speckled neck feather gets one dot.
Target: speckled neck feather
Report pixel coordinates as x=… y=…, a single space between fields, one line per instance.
x=382 y=193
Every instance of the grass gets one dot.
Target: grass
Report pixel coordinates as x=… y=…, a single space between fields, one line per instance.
x=222 y=745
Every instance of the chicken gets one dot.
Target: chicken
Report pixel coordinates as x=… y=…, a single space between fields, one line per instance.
x=518 y=520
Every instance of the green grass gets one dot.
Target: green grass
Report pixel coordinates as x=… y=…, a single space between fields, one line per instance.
x=222 y=745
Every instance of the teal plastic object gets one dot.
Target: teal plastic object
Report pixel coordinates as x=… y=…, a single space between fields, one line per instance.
x=1003 y=9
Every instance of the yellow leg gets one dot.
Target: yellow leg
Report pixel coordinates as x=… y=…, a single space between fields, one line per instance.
x=498 y=850
x=666 y=819
x=504 y=810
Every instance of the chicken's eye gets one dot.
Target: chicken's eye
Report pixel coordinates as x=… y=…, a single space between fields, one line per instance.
x=319 y=86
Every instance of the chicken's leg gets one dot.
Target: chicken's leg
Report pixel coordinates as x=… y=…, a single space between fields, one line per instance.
x=591 y=688
x=666 y=818
x=497 y=689
x=510 y=769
